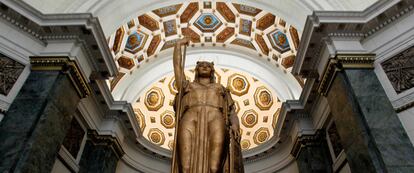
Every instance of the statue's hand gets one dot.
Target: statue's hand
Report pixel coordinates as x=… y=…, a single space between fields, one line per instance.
x=184 y=41
x=236 y=132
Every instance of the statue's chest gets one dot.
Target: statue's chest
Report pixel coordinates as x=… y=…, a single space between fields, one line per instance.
x=211 y=92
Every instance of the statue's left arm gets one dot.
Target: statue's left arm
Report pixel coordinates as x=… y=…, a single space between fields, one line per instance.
x=234 y=120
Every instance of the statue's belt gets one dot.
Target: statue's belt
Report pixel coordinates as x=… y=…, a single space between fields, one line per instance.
x=203 y=104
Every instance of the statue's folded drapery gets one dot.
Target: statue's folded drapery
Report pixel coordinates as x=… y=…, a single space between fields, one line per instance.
x=193 y=104
x=207 y=136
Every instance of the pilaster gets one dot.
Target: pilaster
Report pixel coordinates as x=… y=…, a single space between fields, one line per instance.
x=101 y=154
x=372 y=135
x=312 y=153
x=35 y=125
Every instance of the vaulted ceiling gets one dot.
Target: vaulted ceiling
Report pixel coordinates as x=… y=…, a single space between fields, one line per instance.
x=208 y=24
x=113 y=13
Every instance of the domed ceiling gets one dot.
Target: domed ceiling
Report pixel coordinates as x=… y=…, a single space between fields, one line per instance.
x=208 y=24
x=256 y=106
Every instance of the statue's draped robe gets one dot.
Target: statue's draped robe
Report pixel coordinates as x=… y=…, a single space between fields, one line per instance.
x=218 y=103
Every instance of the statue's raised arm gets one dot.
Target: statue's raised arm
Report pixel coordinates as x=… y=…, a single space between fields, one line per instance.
x=207 y=137
x=178 y=61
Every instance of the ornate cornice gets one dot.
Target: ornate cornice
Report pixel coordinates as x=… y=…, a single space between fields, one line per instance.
x=358 y=25
x=307 y=140
x=340 y=62
x=106 y=140
x=85 y=29
x=65 y=65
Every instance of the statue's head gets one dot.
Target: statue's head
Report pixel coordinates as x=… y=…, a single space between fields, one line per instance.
x=204 y=69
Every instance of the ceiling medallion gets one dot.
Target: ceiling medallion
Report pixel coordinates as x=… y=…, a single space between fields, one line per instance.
x=263 y=98
x=279 y=41
x=261 y=135
x=238 y=84
x=154 y=99
x=249 y=118
x=156 y=136
x=245 y=144
x=135 y=42
x=140 y=119
x=126 y=62
x=168 y=119
x=208 y=22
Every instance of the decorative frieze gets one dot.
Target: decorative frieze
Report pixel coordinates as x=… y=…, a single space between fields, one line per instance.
x=66 y=65
x=10 y=71
x=400 y=70
x=340 y=62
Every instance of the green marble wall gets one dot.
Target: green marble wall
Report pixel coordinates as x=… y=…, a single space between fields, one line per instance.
x=370 y=131
x=98 y=158
x=314 y=155
x=34 y=127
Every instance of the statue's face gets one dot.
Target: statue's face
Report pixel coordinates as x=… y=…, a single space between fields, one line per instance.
x=204 y=69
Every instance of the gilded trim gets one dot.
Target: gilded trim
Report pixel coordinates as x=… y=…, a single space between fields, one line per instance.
x=106 y=140
x=404 y=107
x=340 y=62
x=65 y=65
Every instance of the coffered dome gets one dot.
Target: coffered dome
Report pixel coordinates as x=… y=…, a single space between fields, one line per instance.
x=256 y=106
x=140 y=45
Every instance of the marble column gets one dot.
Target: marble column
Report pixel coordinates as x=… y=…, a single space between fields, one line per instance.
x=36 y=123
x=371 y=133
x=100 y=154
x=313 y=154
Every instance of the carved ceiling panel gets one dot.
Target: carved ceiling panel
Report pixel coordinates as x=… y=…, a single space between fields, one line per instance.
x=10 y=71
x=135 y=42
x=245 y=9
x=156 y=136
x=126 y=62
x=208 y=22
x=279 y=40
x=225 y=11
x=148 y=22
x=154 y=99
x=266 y=21
x=249 y=118
x=238 y=84
x=400 y=70
x=140 y=119
x=261 y=135
x=263 y=98
x=225 y=34
x=166 y=11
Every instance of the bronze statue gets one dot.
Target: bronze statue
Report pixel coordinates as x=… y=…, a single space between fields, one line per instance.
x=207 y=130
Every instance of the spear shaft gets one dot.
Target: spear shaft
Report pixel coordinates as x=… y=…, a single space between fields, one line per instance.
x=178 y=113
